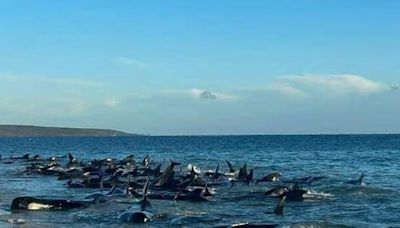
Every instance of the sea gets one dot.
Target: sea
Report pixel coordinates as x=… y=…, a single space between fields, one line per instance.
x=330 y=202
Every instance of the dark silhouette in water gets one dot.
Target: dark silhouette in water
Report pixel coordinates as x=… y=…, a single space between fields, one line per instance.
x=277 y=191
x=125 y=177
x=166 y=180
x=142 y=215
x=197 y=194
x=295 y=194
x=216 y=175
x=230 y=166
x=32 y=203
x=279 y=207
x=270 y=177
x=358 y=181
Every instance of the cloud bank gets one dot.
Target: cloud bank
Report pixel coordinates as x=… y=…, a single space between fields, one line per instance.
x=342 y=84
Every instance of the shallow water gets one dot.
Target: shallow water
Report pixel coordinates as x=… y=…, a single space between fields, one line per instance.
x=331 y=201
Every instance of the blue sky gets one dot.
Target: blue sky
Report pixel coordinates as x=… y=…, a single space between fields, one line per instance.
x=202 y=67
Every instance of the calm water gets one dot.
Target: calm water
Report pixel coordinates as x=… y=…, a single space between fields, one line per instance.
x=333 y=202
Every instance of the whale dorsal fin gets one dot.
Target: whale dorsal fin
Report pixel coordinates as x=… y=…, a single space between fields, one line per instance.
x=145 y=201
x=361 y=178
x=215 y=176
x=279 y=207
x=249 y=176
x=71 y=158
x=230 y=166
x=146 y=161
x=207 y=191
x=243 y=172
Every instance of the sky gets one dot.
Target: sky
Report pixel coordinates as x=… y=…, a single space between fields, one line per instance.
x=202 y=67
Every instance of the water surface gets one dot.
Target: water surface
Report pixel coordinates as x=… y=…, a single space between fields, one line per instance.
x=340 y=158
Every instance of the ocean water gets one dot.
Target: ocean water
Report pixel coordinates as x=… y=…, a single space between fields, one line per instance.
x=332 y=202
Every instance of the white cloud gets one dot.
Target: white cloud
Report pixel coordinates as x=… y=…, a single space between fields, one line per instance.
x=286 y=89
x=334 y=84
x=125 y=61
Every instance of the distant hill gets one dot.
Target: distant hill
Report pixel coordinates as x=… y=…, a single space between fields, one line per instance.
x=37 y=131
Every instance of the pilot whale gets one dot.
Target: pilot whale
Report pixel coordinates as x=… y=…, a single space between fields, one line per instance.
x=358 y=181
x=142 y=215
x=34 y=204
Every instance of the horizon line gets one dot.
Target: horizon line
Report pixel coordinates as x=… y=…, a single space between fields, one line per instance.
x=199 y=135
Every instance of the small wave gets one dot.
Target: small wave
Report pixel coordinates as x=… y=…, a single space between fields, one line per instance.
x=363 y=189
x=4 y=212
x=315 y=225
x=315 y=195
x=190 y=220
x=13 y=221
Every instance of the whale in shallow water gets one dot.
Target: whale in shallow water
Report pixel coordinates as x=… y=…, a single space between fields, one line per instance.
x=136 y=217
x=277 y=191
x=274 y=176
x=25 y=156
x=142 y=215
x=34 y=204
x=358 y=181
x=197 y=194
x=214 y=175
x=295 y=193
x=292 y=194
x=167 y=177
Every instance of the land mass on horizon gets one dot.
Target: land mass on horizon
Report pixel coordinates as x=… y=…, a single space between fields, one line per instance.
x=41 y=131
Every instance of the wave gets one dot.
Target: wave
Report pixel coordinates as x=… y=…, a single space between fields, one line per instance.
x=313 y=224
x=363 y=189
x=312 y=195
